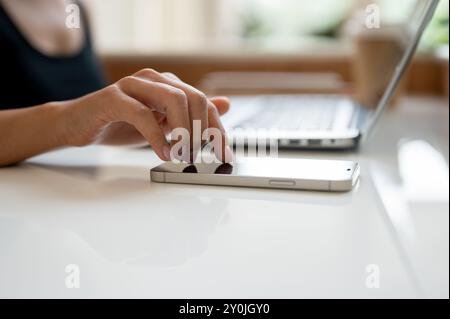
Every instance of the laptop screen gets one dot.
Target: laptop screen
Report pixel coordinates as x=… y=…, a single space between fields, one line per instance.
x=380 y=46
x=383 y=54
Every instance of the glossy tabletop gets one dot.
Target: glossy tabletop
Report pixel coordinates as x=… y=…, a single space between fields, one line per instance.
x=95 y=209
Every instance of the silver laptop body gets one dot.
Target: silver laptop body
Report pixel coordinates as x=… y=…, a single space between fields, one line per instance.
x=320 y=121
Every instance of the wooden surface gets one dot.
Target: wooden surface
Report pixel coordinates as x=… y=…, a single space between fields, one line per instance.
x=425 y=76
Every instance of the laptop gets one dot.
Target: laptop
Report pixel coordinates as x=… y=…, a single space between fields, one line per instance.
x=325 y=121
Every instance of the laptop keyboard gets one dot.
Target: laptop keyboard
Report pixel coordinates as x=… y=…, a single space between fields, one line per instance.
x=299 y=113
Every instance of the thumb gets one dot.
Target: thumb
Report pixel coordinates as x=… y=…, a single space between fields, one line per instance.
x=222 y=104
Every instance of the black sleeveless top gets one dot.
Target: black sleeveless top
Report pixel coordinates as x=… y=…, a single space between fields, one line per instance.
x=29 y=77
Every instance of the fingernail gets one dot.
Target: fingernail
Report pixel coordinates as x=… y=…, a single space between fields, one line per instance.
x=166 y=151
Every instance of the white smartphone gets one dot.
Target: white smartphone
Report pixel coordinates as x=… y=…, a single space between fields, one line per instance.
x=300 y=174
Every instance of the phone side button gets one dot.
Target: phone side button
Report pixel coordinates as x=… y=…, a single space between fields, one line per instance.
x=282 y=183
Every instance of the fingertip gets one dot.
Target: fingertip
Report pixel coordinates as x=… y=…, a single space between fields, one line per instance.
x=222 y=104
x=166 y=153
x=222 y=98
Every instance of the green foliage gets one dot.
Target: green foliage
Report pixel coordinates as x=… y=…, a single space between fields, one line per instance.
x=438 y=33
x=254 y=26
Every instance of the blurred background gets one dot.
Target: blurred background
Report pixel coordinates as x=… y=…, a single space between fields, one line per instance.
x=214 y=43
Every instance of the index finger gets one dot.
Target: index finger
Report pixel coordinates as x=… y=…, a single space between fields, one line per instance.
x=224 y=154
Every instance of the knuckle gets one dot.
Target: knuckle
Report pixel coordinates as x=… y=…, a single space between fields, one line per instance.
x=171 y=76
x=200 y=100
x=179 y=97
x=128 y=80
x=108 y=97
x=112 y=90
x=148 y=72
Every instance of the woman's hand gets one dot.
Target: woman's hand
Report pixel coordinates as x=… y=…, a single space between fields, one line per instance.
x=142 y=108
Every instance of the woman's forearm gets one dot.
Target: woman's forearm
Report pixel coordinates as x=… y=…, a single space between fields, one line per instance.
x=30 y=131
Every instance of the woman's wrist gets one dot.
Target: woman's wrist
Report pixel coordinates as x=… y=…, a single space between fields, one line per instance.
x=57 y=126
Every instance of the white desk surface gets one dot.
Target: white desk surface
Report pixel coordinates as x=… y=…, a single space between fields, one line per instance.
x=96 y=208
